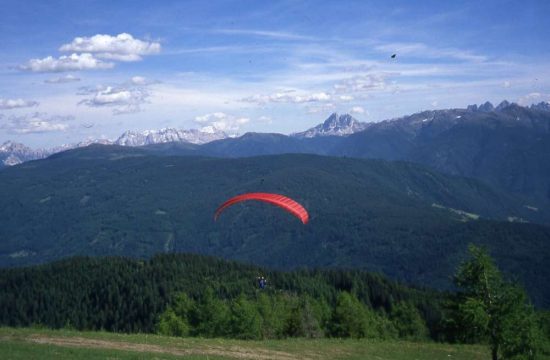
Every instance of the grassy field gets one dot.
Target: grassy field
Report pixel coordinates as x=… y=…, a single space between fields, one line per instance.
x=64 y=344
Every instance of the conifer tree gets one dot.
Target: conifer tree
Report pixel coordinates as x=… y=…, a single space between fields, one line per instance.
x=494 y=310
x=244 y=320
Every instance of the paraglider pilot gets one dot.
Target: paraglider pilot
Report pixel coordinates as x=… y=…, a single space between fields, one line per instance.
x=262 y=282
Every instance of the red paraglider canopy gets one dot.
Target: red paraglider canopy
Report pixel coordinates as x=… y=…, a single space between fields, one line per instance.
x=282 y=201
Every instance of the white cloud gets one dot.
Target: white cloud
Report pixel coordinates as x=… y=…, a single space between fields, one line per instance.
x=221 y=121
x=88 y=52
x=434 y=103
x=140 y=80
x=36 y=123
x=265 y=119
x=122 y=47
x=288 y=97
x=360 y=83
x=357 y=110
x=532 y=98
x=262 y=33
x=322 y=108
x=7 y=104
x=345 y=98
x=85 y=61
x=506 y=84
x=123 y=100
x=62 y=79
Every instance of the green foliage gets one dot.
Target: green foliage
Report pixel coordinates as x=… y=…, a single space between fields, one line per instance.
x=408 y=322
x=492 y=309
x=543 y=319
x=171 y=324
x=210 y=316
x=174 y=321
x=182 y=306
x=521 y=336
x=315 y=316
x=304 y=317
x=386 y=328
x=270 y=315
x=272 y=310
x=352 y=319
x=245 y=322
x=293 y=322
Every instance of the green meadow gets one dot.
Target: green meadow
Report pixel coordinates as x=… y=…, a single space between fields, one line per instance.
x=31 y=343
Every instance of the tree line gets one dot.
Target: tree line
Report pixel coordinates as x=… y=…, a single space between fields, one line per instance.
x=191 y=295
x=275 y=315
x=129 y=295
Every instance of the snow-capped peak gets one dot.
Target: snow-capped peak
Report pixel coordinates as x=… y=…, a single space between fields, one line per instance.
x=148 y=137
x=10 y=146
x=12 y=153
x=335 y=125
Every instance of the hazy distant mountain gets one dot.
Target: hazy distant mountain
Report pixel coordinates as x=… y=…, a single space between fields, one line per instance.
x=544 y=106
x=12 y=153
x=334 y=125
x=508 y=146
x=15 y=153
x=149 y=137
x=253 y=144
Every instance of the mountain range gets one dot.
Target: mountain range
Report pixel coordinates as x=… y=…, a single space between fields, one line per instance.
x=12 y=153
x=507 y=146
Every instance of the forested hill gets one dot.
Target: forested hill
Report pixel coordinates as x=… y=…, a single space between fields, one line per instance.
x=397 y=218
x=118 y=294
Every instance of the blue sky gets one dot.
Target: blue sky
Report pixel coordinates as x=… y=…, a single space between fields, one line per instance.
x=73 y=70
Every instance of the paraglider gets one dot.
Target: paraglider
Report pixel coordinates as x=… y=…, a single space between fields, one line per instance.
x=282 y=201
x=262 y=282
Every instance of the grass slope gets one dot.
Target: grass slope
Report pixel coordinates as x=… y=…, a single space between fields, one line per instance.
x=27 y=343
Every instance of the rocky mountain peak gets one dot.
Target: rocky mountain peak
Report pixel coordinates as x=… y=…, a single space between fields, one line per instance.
x=10 y=146
x=503 y=105
x=335 y=125
x=543 y=106
x=486 y=107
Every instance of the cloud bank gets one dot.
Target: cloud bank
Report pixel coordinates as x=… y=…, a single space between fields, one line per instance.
x=8 y=104
x=71 y=62
x=36 y=123
x=220 y=121
x=122 y=47
x=89 y=53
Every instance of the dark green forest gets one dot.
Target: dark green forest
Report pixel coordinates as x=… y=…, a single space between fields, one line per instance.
x=395 y=218
x=121 y=294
